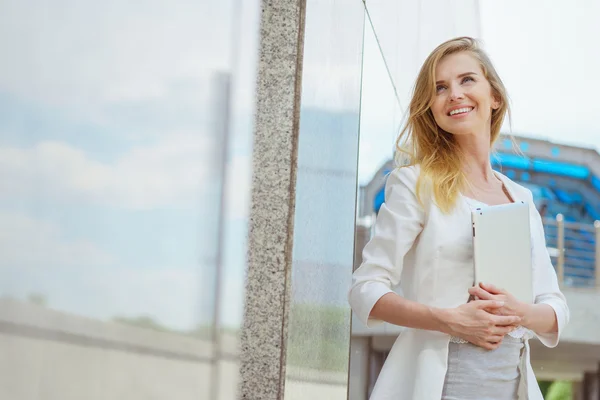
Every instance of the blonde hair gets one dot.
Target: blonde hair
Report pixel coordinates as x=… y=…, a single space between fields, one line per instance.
x=424 y=143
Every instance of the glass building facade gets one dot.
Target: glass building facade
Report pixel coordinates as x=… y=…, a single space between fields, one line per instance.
x=125 y=148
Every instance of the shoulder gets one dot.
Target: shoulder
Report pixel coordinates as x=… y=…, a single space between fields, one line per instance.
x=405 y=175
x=401 y=187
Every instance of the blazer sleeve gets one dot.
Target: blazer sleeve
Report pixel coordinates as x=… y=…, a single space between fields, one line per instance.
x=399 y=222
x=545 y=282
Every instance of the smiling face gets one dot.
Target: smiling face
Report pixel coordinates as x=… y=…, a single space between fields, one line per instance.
x=463 y=100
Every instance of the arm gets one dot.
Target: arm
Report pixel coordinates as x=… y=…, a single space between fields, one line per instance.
x=398 y=224
x=540 y=318
x=465 y=320
x=397 y=310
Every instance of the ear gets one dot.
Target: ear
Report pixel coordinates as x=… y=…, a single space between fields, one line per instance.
x=496 y=103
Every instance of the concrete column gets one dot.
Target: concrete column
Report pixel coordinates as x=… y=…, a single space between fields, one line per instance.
x=358 y=384
x=264 y=332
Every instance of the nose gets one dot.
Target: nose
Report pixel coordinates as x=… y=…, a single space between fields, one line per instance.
x=456 y=93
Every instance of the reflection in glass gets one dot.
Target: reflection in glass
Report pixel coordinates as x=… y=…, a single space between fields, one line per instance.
x=319 y=322
x=112 y=157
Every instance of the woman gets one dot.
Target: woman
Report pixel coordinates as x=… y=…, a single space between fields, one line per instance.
x=453 y=348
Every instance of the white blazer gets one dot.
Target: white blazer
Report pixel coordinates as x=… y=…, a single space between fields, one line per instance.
x=428 y=255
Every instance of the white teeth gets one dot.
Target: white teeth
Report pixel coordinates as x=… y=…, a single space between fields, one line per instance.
x=461 y=110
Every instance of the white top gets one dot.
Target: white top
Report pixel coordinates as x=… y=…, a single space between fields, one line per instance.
x=428 y=256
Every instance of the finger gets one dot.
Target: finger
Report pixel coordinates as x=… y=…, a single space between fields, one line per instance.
x=495 y=345
x=503 y=330
x=491 y=304
x=489 y=345
x=496 y=338
x=479 y=292
x=491 y=288
x=505 y=320
x=495 y=311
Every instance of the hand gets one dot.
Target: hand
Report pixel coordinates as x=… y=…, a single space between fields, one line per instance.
x=512 y=306
x=474 y=323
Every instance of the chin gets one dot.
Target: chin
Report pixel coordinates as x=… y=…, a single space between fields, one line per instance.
x=459 y=132
x=463 y=129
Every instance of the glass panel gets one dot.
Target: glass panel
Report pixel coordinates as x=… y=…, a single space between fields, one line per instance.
x=398 y=36
x=319 y=322
x=380 y=120
x=113 y=152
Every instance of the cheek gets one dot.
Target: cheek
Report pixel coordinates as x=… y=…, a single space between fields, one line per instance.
x=437 y=109
x=485 y=109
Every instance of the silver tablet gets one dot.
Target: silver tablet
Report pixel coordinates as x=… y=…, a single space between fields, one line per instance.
x=502 y=248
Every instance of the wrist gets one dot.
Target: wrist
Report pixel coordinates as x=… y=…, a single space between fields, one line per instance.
x=527 y=314
x=442 y=318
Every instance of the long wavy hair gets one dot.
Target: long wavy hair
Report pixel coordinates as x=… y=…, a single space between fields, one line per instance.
x=422 y=142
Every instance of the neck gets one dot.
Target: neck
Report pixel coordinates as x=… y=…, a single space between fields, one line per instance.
x=476 y=158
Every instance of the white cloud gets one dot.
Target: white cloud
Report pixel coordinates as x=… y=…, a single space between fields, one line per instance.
x=180 y=170
x=30 y=243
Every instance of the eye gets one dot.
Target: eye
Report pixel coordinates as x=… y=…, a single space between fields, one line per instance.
x=468 y=79
x=439 y=88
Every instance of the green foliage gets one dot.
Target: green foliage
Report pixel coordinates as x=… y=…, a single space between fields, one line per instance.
x=560 y=390
x=38 y=299
x=142 y=322
x=319 y=337
x=544 y=386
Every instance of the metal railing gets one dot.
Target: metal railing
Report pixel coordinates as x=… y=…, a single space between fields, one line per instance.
x=575 y=251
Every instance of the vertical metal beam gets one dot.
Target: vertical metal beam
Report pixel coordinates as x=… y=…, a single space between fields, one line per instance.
x=560 y=244
x=597 y=259
x=221 y=85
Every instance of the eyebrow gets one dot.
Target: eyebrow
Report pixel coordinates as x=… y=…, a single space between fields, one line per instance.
x=460 y=76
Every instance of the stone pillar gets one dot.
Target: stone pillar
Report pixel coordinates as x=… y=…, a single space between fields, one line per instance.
x=264 y=332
